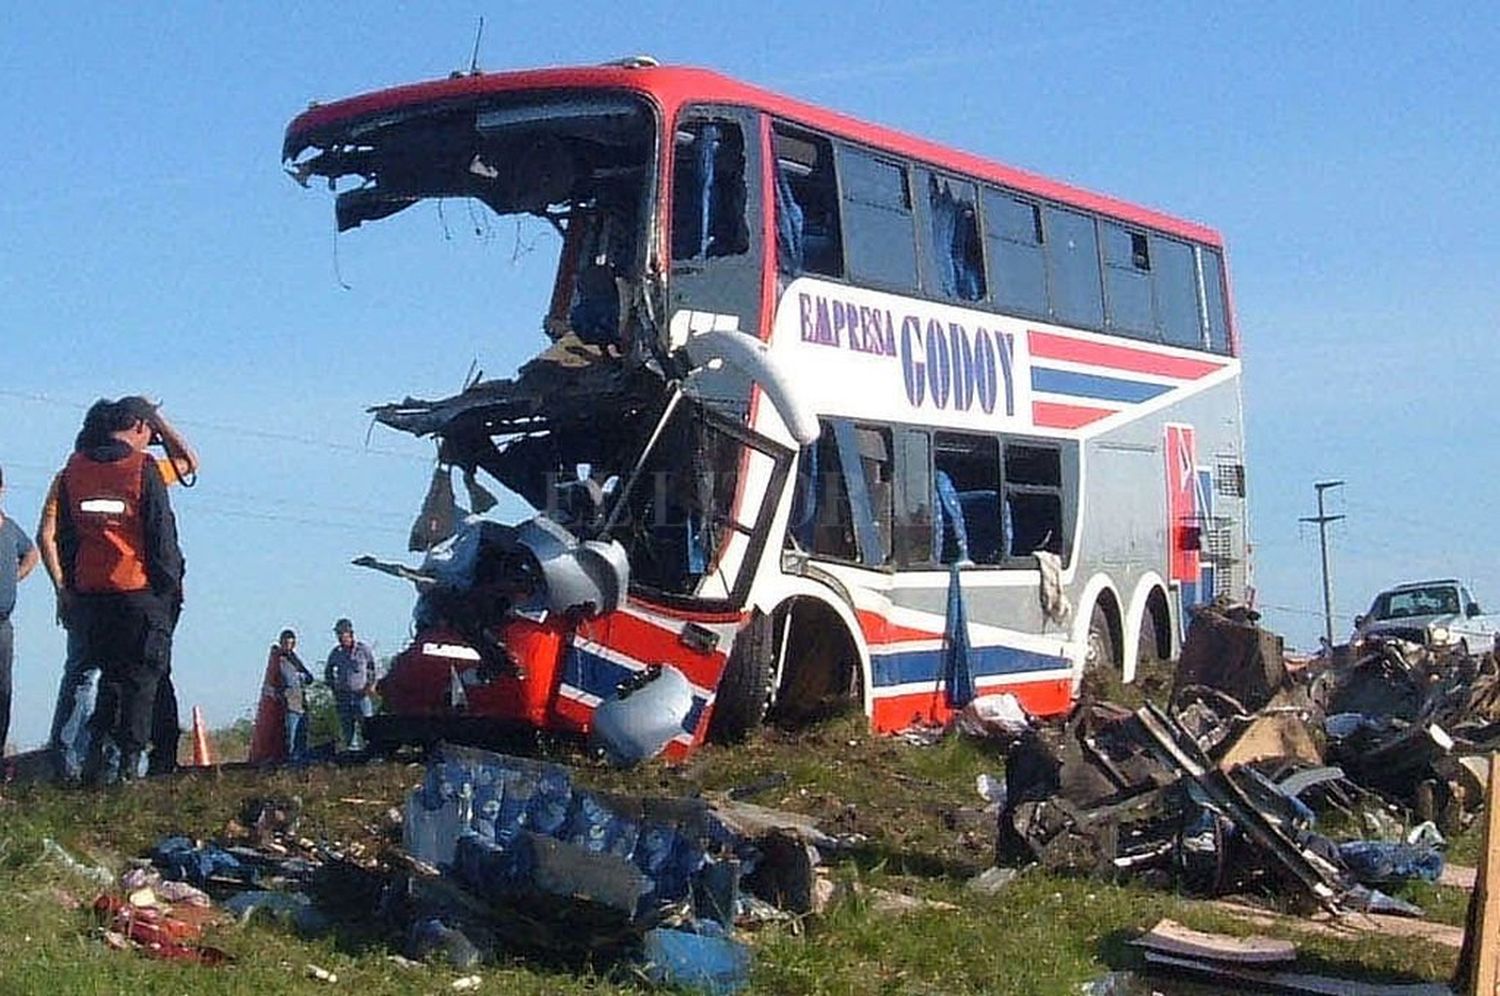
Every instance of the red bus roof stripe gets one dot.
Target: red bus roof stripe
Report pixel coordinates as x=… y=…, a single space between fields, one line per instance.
x=1050 y=346
x=673 y=86
x=1052 y=415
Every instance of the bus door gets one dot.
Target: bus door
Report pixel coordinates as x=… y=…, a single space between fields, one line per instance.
x=716 y=229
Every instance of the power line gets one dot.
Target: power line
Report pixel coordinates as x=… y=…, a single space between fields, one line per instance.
x=265 y=434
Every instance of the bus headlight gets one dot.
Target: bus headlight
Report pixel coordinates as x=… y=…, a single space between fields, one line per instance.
x=1438 y=635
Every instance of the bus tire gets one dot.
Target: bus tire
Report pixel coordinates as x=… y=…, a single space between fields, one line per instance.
x=744 y=692
x=1100 y=651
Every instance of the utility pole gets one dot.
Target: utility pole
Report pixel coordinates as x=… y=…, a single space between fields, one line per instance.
x=1323 y=519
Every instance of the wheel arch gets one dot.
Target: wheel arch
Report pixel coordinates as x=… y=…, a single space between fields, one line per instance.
x=1098 y=590
x=1150 y=595
x=775 y=598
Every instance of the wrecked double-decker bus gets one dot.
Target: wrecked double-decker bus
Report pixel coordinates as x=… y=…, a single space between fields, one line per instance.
x=829 y=413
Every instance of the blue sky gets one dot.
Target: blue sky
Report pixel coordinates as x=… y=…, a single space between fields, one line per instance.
x=1347 y=151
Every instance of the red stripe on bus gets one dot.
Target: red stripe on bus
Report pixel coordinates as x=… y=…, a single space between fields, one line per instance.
x=1061 y=347
x=1049 y=697
x=648 y=643
x=880 y=630
x=1055 y=416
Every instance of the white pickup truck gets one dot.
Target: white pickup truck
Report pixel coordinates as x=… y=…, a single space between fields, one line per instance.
x=1435 y=614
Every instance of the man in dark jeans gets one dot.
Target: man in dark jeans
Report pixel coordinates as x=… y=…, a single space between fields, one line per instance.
x=17 y=559
x=122 y=572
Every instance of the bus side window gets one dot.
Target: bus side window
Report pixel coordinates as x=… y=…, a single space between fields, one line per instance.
x=1214 y=300
x=913 y=527
x=1018 y=273
x=842 y=509
x=879 y=229
x=708 y=192
x=967 y=524
x=807 y=205
x=1127 y=280
x=1176 y=293
x=952 y=256
x=1034 y=512
x=1073 y=268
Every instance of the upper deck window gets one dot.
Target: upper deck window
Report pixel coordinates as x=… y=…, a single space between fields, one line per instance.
x=1018 y=273
x=708 y=192
x=1073 y=268
x=1176 y=293
x=808 y=239
x=952 y=257
x=1127 y=280
x=1214 y=300
x=879 y=232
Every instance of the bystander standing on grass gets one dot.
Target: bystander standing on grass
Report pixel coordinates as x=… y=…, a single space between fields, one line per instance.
x=18 y=557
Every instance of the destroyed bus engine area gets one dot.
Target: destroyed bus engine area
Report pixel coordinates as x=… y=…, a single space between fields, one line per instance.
x=812 y=428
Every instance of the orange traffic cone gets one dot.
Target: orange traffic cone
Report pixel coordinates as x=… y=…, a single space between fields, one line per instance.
x=203 y=755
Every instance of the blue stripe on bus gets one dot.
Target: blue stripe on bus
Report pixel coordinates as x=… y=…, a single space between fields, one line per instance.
x=908 y=666
x=600 y=677
x=1084 y=385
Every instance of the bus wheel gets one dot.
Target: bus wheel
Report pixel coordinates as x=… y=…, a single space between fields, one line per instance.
x=1101 y=645
x=744 y=692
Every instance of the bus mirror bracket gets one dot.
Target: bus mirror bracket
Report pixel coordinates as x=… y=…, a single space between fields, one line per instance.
x=751 y=357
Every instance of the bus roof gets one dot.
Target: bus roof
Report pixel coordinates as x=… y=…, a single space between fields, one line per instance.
x=673 y=86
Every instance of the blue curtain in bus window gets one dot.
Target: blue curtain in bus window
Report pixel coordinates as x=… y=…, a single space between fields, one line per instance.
x=862 y=509
x=1073 y=268
x=709 y=192
x=789 y=220
x=950 y=536
x=595 y=315
x=944 y=237
x=707 y=149
x=957 y=257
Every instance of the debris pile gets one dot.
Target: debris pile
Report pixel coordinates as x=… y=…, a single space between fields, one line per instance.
x=1224 y=790
x=508 y=851
x=498 y=856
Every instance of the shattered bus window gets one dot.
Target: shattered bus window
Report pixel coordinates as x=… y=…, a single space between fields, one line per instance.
x=677 y=522
x=583 y=164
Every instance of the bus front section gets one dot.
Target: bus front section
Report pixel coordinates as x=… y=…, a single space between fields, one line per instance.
x=651 y=502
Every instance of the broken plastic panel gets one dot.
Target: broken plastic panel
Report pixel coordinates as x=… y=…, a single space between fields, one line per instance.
x=641 y=720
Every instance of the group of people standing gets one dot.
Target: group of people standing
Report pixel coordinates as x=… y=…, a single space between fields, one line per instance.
x=281 y=721
x=108 y=540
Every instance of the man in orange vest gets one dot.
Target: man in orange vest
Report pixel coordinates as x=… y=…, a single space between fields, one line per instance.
x=69 y=739
x=122 y=578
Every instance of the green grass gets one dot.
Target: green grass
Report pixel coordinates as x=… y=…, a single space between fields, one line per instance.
x=917 y=807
